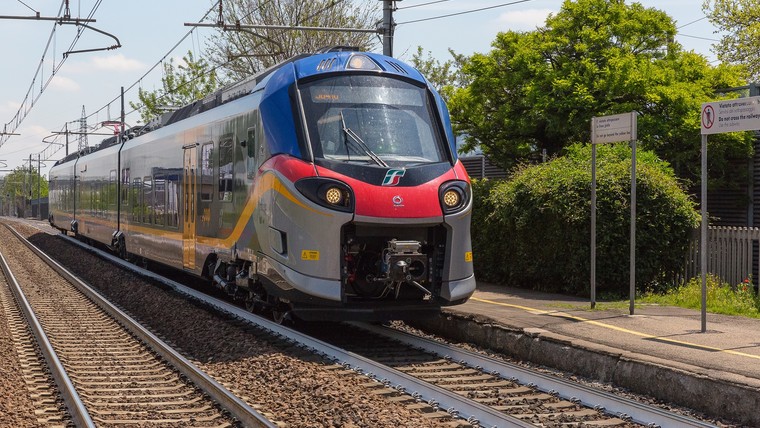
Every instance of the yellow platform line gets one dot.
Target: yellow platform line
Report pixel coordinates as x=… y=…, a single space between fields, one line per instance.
x=565 y=315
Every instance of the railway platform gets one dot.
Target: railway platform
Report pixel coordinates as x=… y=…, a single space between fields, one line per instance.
x=659 y=351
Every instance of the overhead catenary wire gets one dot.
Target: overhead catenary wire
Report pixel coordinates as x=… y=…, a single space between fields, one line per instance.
x=464 y=12
x=27 y=105
x=19 y=116
x=422 y=4
x=150 y=70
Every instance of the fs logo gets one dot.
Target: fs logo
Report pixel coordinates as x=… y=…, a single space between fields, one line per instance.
x=393 y=177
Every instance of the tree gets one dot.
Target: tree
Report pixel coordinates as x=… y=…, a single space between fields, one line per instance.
x=444 y=76
x=21 y=185
x=539 y=90
x=741 y=20
x=181 y=85
x=543 y=213
x=243 y=53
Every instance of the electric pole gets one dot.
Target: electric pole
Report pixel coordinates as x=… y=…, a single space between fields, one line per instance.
x=389 y=26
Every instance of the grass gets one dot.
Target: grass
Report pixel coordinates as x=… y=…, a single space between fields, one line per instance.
x=721 y=297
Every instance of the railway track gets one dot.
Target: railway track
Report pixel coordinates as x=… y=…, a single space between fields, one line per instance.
x=451 y=384
x=536 y=398
x=110 y=370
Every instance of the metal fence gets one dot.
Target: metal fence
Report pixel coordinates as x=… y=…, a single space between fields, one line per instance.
x=731 y=253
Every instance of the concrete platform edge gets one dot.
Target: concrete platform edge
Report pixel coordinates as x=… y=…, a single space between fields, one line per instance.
x=715 y=393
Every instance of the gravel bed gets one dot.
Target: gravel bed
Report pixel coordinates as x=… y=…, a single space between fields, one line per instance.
x=301 y=392
x=16 y=405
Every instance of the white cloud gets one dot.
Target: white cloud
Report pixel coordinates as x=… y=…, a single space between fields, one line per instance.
x=116 y=63
x=526 y=20
x=9 y=107
x=97 y=64
x=64 y=84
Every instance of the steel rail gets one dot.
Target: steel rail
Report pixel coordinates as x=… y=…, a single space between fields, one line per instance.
x=71 y=398
x=451 y=402
x=247 y=415
x=613 y=405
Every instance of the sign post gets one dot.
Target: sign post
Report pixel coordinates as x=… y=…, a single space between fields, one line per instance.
x=717 y=117
x=612 y=129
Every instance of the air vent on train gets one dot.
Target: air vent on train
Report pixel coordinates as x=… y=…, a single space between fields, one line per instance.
x=326 y=64
x=397 y=67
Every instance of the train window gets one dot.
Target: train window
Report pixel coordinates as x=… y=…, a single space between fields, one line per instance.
x=250 y=145
x=137 y=206
x=226 y=169
x=159 y=199
x=111 y=197
x=207 y=171
x=172 y=201
x=147 y=198
x=361 y=118
x=125 y=186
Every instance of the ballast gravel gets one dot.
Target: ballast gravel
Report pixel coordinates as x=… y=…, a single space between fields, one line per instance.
x=288 y=386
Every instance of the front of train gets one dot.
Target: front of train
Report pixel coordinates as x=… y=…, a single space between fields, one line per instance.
x=373 y=219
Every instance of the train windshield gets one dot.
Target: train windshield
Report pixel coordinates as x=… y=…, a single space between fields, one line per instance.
x=373 y=120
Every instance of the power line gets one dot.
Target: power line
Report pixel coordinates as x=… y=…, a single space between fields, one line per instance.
x=692 y=22
x=25 y=108
x=159 y=62
x=698 y=37
x=28 y=7
x=465 y=12
x=422 y=4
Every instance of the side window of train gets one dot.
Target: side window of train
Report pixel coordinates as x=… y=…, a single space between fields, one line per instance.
x=159 y=199
x=147 y=197
x=125 y=186
x=250 y=145
x=137 y=206
x=207 y=171
x=111 y=197
x=172 y=201
x=226 y=169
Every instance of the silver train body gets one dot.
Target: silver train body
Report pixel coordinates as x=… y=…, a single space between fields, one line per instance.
x=325 y=188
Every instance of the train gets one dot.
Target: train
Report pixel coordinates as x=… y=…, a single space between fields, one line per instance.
x=324 y=188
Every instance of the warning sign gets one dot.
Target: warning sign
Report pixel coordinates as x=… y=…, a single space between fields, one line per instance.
x=742 y=114
x=611 y=129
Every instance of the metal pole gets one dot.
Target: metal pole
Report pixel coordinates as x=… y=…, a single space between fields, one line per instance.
x=39 y=189
x=593 y=225
x=633 y=227
x=634 y=137
x=388 y=27
x=703 y=234
x=67 y=138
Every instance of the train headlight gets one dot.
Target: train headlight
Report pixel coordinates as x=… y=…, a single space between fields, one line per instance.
x=334 y=196
x=361 y=62
x=454 y=196
x=451 y=198
x=327 y=192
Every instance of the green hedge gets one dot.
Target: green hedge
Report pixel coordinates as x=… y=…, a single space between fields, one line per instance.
x=534 y=230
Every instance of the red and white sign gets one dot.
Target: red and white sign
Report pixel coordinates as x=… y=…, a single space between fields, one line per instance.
x=741 y=114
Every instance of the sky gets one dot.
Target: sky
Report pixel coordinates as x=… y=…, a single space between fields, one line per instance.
x=151 y=31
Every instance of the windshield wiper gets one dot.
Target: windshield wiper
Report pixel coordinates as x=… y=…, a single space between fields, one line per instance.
x=361 y=144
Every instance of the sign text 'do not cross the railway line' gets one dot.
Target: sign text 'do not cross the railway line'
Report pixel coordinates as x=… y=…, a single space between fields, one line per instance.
x=741 y=114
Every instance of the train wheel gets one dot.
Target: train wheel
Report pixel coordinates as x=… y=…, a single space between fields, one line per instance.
x=253 y=304
x=281 y=314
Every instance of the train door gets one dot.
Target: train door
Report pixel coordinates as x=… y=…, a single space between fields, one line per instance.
x=189 y=193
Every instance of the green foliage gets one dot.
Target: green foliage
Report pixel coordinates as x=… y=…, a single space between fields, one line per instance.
x=739 y=20
x=539 y=90
x=542 y=216
x=721 y=298
x=21 y=185
x=181 y=85
x=444 y=76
